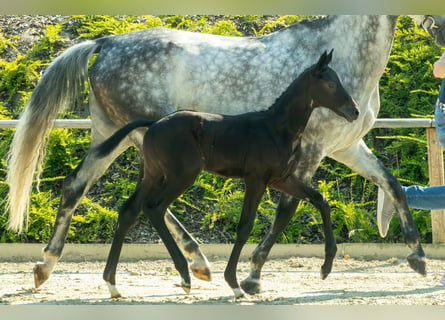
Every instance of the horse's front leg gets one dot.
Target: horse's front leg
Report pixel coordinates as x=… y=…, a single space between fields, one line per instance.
x=252 y=198
x=360 y=159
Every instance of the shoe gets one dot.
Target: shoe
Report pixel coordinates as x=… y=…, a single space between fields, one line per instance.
x=385 y=211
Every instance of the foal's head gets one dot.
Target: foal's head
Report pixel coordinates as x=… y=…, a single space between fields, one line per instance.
x=327 y=90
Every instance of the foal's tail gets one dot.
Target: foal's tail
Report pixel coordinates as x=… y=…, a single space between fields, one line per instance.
x=106 y=147
x=59 y=88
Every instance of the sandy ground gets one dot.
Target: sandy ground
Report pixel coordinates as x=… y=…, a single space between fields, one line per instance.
x=293 y=281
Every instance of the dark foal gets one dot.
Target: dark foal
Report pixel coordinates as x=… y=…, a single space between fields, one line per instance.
x=262 y=148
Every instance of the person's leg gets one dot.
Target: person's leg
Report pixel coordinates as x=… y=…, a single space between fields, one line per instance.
x=426 y=198
x=417 y=197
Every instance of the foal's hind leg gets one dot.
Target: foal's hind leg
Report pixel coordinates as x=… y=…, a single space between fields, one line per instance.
x=75 y=186
x=158 y=198
x=127 y=217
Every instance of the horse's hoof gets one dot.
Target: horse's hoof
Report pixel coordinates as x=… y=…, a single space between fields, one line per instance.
x=40 y=276
x=251 y=286
x=417 y=263
x=116 y=296
x=202 y=273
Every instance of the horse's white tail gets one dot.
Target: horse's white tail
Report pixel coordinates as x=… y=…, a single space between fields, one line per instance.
x=60 y=86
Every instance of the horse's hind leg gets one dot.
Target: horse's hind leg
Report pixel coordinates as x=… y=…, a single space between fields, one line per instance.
x=127 y=217
x=75 y=185
x=359 y=158
x=190 y=248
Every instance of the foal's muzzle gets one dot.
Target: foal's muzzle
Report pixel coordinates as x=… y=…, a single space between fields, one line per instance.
x=350 y=111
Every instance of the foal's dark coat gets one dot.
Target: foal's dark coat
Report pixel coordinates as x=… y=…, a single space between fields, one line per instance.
x=262 y=148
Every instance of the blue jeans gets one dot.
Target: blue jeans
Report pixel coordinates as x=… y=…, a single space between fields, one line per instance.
x=429 y=198
x=439 y=119
x=426 y=198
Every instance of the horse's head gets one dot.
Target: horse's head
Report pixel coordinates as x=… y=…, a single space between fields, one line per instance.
x=434 y=25
x=327 y=90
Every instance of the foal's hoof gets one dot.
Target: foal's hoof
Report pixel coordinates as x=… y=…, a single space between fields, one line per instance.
x=251 y=286
x=114 y=293
x=325 y=271
x=202 y=273
x=40 y=275
x=324 y=275
x=185 y=286
x=238 y=293
x=417 y=263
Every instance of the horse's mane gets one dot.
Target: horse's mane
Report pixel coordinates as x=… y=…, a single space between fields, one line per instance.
x=313 y=22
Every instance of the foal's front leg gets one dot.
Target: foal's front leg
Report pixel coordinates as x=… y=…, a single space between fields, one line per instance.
x=296 y=188
x=293 y=189
x=283 y=214
x=252 y=198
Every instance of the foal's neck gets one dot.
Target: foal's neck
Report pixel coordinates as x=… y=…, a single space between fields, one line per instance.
x=291 y=111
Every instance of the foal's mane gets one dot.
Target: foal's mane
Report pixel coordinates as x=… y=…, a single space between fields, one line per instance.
x=290 y=91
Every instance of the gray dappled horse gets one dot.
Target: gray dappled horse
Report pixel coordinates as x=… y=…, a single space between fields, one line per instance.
x=261 y=147
x=153 y=72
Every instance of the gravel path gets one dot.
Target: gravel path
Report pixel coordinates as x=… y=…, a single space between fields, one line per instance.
x=293 y=281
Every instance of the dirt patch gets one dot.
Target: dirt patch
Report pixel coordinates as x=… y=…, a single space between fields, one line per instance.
x=293 y=281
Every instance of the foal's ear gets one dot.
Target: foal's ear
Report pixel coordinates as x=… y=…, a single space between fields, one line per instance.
x=329 y=56
x=323 y=62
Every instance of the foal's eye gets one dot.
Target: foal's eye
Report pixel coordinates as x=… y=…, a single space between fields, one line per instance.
x=332 y=85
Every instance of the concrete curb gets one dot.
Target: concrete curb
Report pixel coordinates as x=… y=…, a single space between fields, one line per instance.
x=13 y=252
